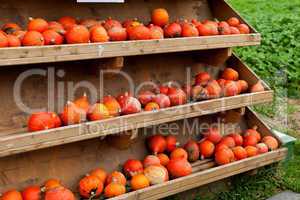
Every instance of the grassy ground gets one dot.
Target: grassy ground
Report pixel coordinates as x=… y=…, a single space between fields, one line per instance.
x=277 y=61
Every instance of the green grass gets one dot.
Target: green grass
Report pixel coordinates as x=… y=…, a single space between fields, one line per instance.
x=277 y=61
x=267 y=182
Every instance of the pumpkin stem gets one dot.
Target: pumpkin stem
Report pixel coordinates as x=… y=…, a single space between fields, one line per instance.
x=255 y=127
x=93 y=194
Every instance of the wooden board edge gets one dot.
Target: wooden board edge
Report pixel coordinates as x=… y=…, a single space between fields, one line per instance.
x=204 y=177
x=53 y=140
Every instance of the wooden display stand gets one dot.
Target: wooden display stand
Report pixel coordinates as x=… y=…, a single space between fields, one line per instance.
x=71 y=151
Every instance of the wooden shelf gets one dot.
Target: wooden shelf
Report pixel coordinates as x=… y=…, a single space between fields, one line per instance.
x=58 y=53
x=24 y=141
x=205 y=176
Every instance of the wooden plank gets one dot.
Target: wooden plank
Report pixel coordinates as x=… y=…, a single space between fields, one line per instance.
x=205 y=177
x=22 y=142
x=46 y=54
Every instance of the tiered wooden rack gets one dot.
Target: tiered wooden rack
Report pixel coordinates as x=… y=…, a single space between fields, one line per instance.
x=70 y=151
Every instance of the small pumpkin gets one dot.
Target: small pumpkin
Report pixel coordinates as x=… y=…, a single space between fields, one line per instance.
x=116 y=177
x=193 y=150
x=114 y=189
x=100 y=173
x=179 y=153
x=157 y=144
x=90 y=187
x=77 y=34
x=37 y=24
x=179 y=167
x=51 y=184
x=59 y=193
x=151 y=160
x=139 y=181
x=72 y=114
x=41 y=121
x=98 y=112
x=32 y=193
x=164 y=159
x=33 y=38
x=156 y=174
x=132 y=167
x=11 y=195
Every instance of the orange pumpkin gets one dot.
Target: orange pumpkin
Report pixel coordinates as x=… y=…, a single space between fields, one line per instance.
x=98 y=112
x=100 y=173
x=77 y=34
x=139 y=33
x=271 y=142
x=51 y=37
x=11 y=195
x=251 y=151
x=139 y=181
x=233 y=21
x=3 y=39
x=152 y=106
x=253 y=131
x=67 y=22
x=156 y=174
x=213 y=135
x=99 y=34
x=32 y=193
x=250 y=140
x=51 y=184
x=59 y=193
x=228 y=141
x=192 y=149
x=238 y=139
x=33 y=38
x=13 y=41
x=172 y=143
x=111 y=23
x=90 y=187
x=160 y=17
x=179 y=167
x=116 y=177
x=20 y=35
x=117 y=33
x=132 y=167
x=157 y=144
x=114 y=189
x=56 y=26
x=156 y=32
x=72 y=114
x=224 y=156
x=239 y=153
x=172 y=30
x=258 y=87
x=206 y=148
x=151 y=160
x=10 y=28
x=164 y=159
x=37 y=24
x=112 y=105
x=179 y=153
x=230 y=74
x=41 y=121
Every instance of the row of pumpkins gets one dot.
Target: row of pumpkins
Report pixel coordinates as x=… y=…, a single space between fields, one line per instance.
x=164 y=96
x=71 y=31
x=167 y=161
